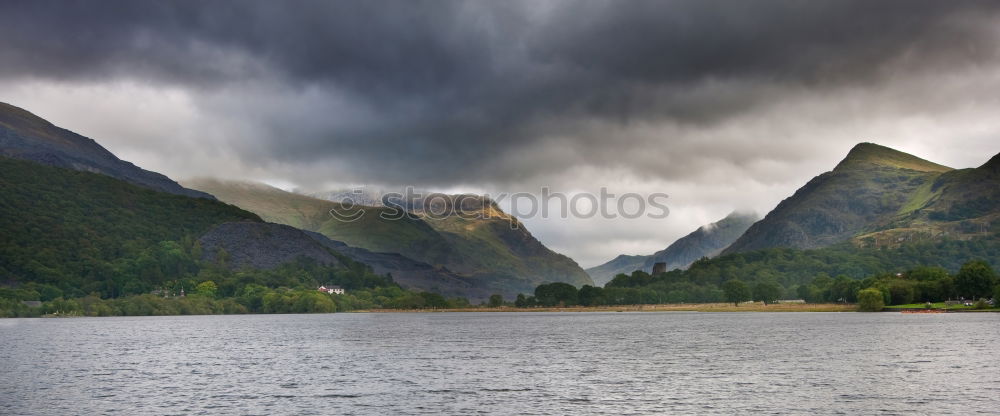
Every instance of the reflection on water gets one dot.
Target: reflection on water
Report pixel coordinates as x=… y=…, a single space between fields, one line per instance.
x=516 y=363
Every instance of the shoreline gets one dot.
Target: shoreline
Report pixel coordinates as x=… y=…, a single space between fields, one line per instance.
x=674 y=307
x=685 y=307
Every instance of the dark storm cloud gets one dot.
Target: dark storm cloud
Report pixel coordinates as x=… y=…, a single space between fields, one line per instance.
x=401 y=47
x=438 y=92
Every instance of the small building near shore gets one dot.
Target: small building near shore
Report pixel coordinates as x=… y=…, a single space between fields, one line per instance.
x=333 y=290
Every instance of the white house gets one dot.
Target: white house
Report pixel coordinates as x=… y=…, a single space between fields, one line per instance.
x=333 y=290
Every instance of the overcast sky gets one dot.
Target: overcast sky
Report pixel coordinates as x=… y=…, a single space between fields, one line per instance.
x=721 y=105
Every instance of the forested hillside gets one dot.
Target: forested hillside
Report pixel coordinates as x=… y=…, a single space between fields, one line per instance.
x=821 y=275
x=88 y=244
x=85 y=232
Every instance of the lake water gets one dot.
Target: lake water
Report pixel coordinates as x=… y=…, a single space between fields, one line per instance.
x=503 y=363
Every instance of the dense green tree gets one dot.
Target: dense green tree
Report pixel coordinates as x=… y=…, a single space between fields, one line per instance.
x=521 y=301
x=843 y=289
x=767 y=292
x=637 y=278
x=926 y=273
x=810 y=293
x=901 y=292
x=590 y=296
x=736 y=291
x=290 y=288
x=496 y=301
x=312 y=301
x=434 y=300
x=975 y=280
x=557 y=293
x=870 y=300
x=207 y=288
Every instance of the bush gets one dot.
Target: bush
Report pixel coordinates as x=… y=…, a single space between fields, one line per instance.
x=870 y=300
x=496 y=301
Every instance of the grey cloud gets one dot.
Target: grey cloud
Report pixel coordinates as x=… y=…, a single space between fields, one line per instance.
x=502 y=60
x=693 y=95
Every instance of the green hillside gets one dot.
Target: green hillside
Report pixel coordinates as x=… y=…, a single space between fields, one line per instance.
x=409 y=237
x=864 y=193
x=864 y=155
x=85 y=232
x=88 y=244
x=959 y=204
x=487 y=249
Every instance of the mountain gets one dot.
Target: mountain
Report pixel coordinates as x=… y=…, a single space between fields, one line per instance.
x=876 y=197
x=475 y=240
x=707 y=241
x=494 y=245
x=623 y=264
x=74 y=217
x=84 y=232
x=24 y=135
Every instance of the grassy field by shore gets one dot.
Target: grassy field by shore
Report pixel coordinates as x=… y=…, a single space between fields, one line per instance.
x=683 y=307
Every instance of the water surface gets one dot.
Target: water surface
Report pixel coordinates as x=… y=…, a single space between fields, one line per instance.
x=504 y=363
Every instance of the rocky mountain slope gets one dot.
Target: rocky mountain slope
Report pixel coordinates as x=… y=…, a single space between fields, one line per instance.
x=260 y=245
x=707 y=241
x=412 y=274
x=24 y=135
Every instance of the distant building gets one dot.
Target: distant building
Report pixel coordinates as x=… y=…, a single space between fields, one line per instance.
x=659 y=268
x=333 y=290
